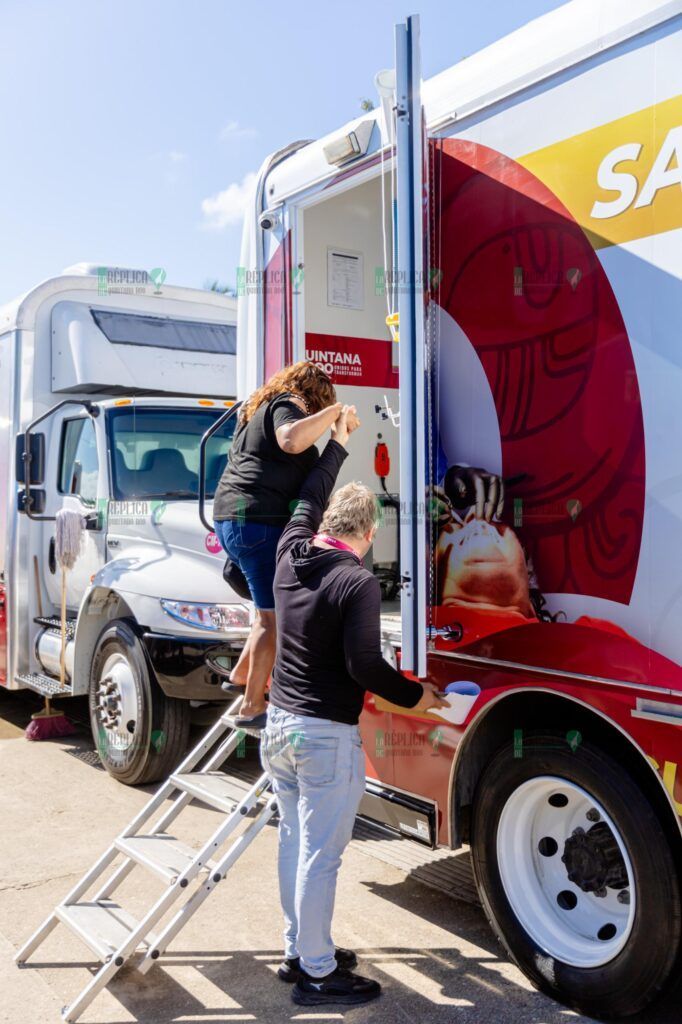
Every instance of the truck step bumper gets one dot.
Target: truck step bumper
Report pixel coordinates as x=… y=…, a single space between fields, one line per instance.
x=45 y=685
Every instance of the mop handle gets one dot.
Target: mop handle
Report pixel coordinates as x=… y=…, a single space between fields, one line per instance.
x=62 y=656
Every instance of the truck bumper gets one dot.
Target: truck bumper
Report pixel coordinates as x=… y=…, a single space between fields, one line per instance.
x=190 y=667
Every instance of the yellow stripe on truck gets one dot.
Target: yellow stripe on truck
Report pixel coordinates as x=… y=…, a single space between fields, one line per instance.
x=622 y=180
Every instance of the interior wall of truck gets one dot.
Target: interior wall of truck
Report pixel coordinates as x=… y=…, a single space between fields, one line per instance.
x=345 y=297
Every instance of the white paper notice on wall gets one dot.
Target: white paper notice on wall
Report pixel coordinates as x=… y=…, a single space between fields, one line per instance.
x=345 y=279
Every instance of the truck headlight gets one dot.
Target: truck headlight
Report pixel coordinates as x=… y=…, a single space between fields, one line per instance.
x=216 y=617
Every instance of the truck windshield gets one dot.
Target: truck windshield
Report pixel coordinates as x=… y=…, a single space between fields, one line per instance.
x=155 y=452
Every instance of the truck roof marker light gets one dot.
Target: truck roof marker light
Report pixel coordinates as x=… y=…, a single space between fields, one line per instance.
x=123 y=401
x=349 y=145
x=228 y=405
x=206 y=401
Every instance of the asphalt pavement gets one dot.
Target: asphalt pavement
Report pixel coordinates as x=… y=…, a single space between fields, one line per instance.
x=433 y=952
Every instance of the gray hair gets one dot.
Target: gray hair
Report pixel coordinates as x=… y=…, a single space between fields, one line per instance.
x=352 y=511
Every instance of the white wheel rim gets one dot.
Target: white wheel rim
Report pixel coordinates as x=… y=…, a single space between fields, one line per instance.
x=571 y=925
x=116 y=706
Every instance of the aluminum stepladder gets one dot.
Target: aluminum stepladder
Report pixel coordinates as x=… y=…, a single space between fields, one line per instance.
x=112 y=934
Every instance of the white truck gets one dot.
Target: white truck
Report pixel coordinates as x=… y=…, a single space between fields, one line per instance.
x=108 y=381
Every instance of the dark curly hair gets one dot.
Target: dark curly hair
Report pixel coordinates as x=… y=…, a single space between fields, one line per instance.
x=304 y=379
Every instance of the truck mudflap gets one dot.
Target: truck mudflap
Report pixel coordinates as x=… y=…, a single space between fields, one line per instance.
x=189 y=667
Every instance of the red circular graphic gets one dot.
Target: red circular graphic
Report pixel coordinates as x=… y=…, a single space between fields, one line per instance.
x=213 y=545
x=522 y=280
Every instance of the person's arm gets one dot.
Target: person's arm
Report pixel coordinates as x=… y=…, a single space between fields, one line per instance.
x=314 y=496
x=362 y=646
x=319 y=484
x=298 y=435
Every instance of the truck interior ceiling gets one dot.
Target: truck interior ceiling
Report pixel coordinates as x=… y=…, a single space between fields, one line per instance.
x=347 y=297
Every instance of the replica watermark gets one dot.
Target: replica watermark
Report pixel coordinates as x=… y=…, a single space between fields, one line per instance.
x=268 y=282
x=406 y=743
x=126 y=281
x=570 y=741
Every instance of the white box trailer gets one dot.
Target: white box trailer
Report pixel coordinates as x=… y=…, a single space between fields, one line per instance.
x=116 y=377
x=522 y=214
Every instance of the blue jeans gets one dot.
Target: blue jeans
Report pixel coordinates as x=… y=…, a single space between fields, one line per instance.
x=317 y=769
x=253 y=547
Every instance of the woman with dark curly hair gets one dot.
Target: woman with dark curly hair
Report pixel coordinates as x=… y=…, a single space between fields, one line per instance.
x=272 y=453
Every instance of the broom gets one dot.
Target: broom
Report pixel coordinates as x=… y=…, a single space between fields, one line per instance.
x=50 y=724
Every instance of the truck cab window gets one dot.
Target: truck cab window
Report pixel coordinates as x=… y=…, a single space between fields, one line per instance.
x=78 y=469
x=156 y=452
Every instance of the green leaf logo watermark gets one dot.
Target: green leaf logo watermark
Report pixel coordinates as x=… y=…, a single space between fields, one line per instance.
x=158 y=509
x=158 y=276
x=297 y=278
x=436 y=738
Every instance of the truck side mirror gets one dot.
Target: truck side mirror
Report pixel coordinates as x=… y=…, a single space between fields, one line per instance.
x=37 y=458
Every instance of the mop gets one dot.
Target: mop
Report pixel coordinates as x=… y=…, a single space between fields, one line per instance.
x=48 y=723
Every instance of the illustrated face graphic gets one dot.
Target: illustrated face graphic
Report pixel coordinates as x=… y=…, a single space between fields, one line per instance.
x=482 y=565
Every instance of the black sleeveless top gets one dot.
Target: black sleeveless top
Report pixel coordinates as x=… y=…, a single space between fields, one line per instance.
x=261 y=483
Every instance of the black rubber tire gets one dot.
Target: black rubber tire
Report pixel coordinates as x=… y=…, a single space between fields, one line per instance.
x=638 y=974
x=162 y=724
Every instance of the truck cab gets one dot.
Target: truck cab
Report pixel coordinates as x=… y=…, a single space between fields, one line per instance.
x=111 y=382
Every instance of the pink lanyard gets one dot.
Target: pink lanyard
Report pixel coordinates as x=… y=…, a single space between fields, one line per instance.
x=334 y=542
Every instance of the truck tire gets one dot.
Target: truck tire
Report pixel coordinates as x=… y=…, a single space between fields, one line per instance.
x=140 y=734
x=604 y=940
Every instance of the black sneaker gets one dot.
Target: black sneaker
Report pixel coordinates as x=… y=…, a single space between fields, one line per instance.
x=290 y=968
x=341 y=986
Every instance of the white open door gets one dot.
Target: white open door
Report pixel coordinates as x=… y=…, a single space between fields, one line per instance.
x=412 y=288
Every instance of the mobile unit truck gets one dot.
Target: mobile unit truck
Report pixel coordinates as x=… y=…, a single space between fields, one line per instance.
x=489 y=266
x=108 y=381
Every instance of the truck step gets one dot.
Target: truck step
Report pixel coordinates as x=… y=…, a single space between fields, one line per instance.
x=213 y=788
x=53 y=622
x=161 y=853
x=47 y=686
x=103 y=926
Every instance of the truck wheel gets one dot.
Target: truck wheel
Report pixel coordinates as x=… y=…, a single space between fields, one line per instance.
x=576 y=875
x=140 y=734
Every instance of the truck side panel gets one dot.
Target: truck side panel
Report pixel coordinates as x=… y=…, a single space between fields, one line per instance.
x=559 y=239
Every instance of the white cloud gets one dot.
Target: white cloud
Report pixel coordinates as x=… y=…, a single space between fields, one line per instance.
x=233 y=130
x=227 y=208
x=176 y=157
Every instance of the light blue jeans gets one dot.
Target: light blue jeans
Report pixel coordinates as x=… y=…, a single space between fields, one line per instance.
x=318 y=774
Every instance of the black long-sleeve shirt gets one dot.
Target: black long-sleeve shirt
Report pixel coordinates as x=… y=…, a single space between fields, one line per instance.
x=328 y=617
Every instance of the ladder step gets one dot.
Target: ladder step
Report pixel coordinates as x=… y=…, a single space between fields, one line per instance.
x=216 y=789
x=47 y=686
x=104 y=927
x=54 y=623
x=164 y=854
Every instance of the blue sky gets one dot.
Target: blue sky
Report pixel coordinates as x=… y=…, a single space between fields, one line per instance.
x=120 y=119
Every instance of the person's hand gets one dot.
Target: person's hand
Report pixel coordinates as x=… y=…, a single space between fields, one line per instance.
x=429 y=699
x=352 y=420
x=469 y=486
x=345 y=424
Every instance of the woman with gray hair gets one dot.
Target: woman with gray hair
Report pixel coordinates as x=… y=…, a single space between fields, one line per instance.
x=328 y=656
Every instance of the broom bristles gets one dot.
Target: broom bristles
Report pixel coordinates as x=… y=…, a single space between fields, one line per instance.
x=49 y=726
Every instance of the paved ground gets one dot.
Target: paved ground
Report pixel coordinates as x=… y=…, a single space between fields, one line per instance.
x=433 y=953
